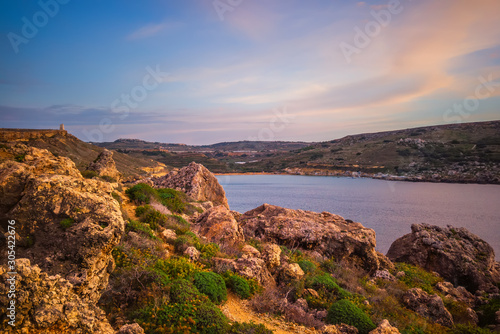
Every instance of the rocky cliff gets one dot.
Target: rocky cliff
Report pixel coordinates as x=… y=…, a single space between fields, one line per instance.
x=66 y=227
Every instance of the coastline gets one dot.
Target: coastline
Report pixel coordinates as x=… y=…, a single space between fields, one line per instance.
x=354 y=175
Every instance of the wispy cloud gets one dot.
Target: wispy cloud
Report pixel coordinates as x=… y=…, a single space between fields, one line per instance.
x=152 y=29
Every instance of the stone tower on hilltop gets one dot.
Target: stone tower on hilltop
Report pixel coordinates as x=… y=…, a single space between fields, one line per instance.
x=61 y=127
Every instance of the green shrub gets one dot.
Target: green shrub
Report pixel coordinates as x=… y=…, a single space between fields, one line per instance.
x=141 y=193
x=88 y=174
x=195 y=316
x=174 y=200
x=468 y=329
x=248 y=328
x=323 y=282
x=121 y=258
x=20 y=157
x=183 y=291
x=416 y=277
x=307 y=266
x=116 y=197
x=141 y=228
x=346 y=312
x=209 y=250
x=239 y=285
x=212 y=285
x=67 y=223
x=486 y=312
x=176 y=267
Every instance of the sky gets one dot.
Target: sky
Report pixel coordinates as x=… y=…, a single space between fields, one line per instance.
x=208 y=71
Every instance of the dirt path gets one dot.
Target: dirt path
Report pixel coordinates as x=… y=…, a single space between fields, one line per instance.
x=239 y=310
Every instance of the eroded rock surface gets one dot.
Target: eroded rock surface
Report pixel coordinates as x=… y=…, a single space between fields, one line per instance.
x=385 y=328
x=48 y=304
x=66 y=227
x=326 y=233
x=429 y=306
x=104 y=165
x=459 y=256
x=218 y=225
x=196 y=181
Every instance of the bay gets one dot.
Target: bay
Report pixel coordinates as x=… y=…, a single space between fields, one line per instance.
x=388 y=207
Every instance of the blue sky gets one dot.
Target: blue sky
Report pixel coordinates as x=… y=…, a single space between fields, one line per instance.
x=205 y=71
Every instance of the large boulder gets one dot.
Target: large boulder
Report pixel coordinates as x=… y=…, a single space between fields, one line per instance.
x=104 y=165
x=218 y=225
x=429 y=306
x=459 y=256
x=66 y=227
x=326 y=233
x=48 y=304
x=196 y=181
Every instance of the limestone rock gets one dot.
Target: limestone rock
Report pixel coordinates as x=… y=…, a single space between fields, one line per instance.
x=271 y=254
x=454 y=253
x=385 y=328
x=219 y=225
x=169 y=235
x=429 y=306
x=250 y=250
x=384 y=275
x=131 y=329
x=291 y=272
x=328 y=234
x=459 y=293
x=247 y=266
x=338 y=329
x=196 y=181
x=48 y=304
x=192 y=253
x=66 y=227
x=104 y=165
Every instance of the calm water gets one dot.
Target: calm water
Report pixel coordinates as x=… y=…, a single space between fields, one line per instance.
x=388 y=207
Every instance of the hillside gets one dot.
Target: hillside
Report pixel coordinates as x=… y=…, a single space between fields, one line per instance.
x=61 y=143
x=468 y=152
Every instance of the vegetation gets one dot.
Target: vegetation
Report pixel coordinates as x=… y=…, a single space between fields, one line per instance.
x=89 y=174
x=67 y=223
x=346 y=312
x=212 y=285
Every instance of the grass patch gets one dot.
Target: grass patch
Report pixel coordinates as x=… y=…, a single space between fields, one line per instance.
x=67 y=223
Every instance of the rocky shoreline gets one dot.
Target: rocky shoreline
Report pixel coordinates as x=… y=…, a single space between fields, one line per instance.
x=94 y=257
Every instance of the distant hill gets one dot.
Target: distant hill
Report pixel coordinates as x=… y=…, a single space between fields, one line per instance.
x=467 y=152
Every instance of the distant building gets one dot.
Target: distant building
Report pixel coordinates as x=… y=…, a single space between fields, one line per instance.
x=61 y=127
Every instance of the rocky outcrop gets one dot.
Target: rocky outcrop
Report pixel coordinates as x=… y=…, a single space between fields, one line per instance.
x=247 y=266
x=456 y=254
x=385 y=328
x=104 y=165
x=326 y=233
x=48 y=304
x=66 y=226
x=196 y=181
x=429 y=306
x=218 y=225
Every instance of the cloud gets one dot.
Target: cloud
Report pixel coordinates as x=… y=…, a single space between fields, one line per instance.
x=151 y=30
